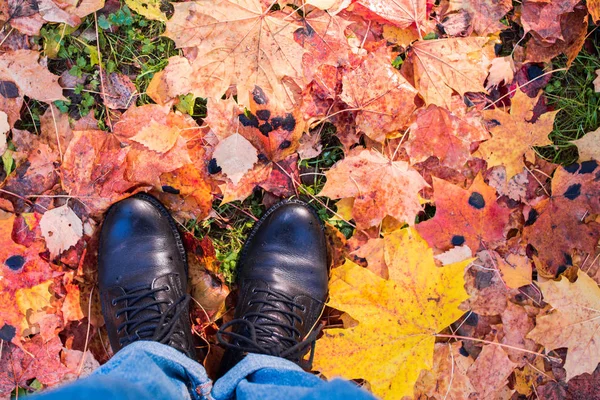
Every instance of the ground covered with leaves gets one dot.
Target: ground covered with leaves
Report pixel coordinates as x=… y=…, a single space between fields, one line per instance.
x=449 y=146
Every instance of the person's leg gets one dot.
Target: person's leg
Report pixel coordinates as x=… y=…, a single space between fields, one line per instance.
x=142 y=370
x=282 y=279
x=266 y=377
x=142 y=277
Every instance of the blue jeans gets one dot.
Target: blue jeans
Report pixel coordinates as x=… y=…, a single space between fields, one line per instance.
x=145 y=370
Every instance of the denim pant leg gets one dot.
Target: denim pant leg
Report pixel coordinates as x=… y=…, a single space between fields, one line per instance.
x=262 y=377
x=142 y=370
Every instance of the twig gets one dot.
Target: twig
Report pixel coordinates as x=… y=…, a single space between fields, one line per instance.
x=547 y=357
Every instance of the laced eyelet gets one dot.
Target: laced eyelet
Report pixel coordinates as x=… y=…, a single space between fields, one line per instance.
x=114 y=302
x=302 y=308
x=167 y=288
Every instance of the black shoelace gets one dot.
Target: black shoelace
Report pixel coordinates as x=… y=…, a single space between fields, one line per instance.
x=262 y=338
x=144 y=320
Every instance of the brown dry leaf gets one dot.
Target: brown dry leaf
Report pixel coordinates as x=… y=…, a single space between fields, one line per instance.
x=442 y=66
x=380 y=187
x=574 y=322
x=594 y=9
x=485 y=14
x=384 y=98
x=516 y=324
x=597 y=81
x=544 y=17
x=470 y=217
x=61 y=228
x=237 y=42
x=489 y=373
x=588 y=146
x=401 y=13
x=440 y=133
x=119 y=91
x=514 y=135
x=574 y=28
x=448 y=378
x=556 y=227
x=21 y=67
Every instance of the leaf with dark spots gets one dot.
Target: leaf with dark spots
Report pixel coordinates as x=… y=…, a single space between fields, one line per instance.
x=22 y=8
x=213 y=168
x=285 y=144
x=170 y=189
x=587 y=167
x=248 y=120
x=476 y=200
x=259 y=96
x=265 y=129
x=9 y=90
x=457 y=240
x=7 y=332
x=573 y=191
x=15 y=262
x=263 y=115
x=532 y=217
x=471 y=213
x=288 y=123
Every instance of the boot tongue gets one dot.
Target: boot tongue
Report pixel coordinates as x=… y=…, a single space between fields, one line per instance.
x=274 y=326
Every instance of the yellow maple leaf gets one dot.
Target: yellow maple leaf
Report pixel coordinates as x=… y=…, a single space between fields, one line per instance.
x=35 y=298
x=148 y=8
x=573 y=324
x=513 y=135
x=397 y=318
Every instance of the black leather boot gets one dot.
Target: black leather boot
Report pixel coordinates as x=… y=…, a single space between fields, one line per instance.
x=282 y=280
x=142 y=273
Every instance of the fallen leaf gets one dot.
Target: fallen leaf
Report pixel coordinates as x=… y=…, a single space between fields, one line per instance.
x=22 y=68
x=237 y=43
x=588 y=146
x=574 y=32
x=379 y=187
x=440 y=133
x=384 y=98
x=561 y=218
x=594 y=9
x=597 y=81
x=4 y=128
x=485 y=14
x=442 y=66
x=470 y=217
x=61 y=228
x=33 y=299
x=516 y=324
x=171 y=82
x=119 y=92
x=157 y=137
x=401 y=13
x=573 y=323
x=515 y=270
x=17 y=368
x=236 y=156
x=389 y=351
x=514 y=135
x=148 y=8
x=544 y=17
x=448 y=378
x=502 y=71
x=490 y=371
